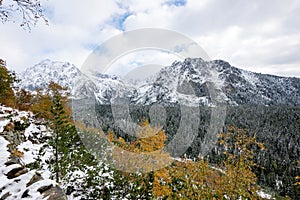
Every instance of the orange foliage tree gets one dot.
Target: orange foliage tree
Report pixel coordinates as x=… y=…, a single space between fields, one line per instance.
x=41 y=102
x=7 y=79
x=188 y=179
x=239 y=181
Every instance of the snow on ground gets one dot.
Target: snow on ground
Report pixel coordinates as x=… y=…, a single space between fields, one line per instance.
x=264 y=195
x=30 y=151
x=18 y=186
x=3 y=158
x=3 y=149
x=3 y=124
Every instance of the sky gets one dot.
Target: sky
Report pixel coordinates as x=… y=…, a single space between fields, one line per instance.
x=260 y=35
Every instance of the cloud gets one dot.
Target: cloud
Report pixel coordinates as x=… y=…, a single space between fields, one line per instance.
x=260 y=36
x=74 y=28
x=128 y=63
x=254 y=35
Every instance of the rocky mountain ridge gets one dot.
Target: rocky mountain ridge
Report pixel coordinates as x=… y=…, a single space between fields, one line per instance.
x=193 y=81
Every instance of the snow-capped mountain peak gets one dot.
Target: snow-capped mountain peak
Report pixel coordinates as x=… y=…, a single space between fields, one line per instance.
x=41 y=74
x=193 y=81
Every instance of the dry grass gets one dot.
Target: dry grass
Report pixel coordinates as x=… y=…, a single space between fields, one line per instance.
x=18 y=153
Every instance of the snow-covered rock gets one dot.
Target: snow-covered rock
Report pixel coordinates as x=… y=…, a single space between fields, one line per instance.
x=19 y=146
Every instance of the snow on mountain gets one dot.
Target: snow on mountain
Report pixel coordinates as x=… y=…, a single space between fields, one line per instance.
x=218 y=81
x=188 y=82
x=245 y=87
x=41 y=74
x=192 y=82
x=108 y=87
x=78 y=84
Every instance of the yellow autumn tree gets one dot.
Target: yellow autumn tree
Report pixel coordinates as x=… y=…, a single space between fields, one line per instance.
x=194 y=180
x=239 y=180
x=41 y=105
x=144 y=155
x=7 y=79
x=24 y=100
x=41 y=102
x=188 y=179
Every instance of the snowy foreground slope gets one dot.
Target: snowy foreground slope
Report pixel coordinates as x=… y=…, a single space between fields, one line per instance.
x=25 y=162
x=20 y=136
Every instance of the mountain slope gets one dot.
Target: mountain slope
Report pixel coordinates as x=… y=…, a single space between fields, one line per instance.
x=245 y=87
x=41 y=74
x=230 y=84
x=193 y=81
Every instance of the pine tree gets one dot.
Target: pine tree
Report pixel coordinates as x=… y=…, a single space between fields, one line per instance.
x=98 y=180
x=60 y=129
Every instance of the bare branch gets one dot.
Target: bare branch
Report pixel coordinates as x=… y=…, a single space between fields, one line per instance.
x=31 y=12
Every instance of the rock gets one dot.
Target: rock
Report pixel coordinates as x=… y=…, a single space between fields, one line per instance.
x=5 y=196
x=25 y=194
x=16 y=172
x=55 y=193
x=23 y=171
x=35 y=178
x=13 y=160
x=44 y=188
x=15 y=138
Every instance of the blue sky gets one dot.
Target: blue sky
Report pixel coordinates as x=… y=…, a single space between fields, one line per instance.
x=261 y=36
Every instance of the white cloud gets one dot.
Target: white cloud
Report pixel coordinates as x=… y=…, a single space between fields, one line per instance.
x=253 y=35
x=147 y=58
x=256 y=35
x=73 y=26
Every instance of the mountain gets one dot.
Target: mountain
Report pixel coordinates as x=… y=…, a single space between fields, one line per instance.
x=41 y=74
x=193 y=81
x=266 y=105
x=232 y=85
x=245 y=87
x=70 y=77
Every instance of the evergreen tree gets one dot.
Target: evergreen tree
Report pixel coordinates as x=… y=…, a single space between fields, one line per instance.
x=79 y=171
x=60 y=128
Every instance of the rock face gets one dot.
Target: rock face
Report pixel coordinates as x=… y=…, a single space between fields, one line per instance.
x=210 y=81
x=19 y=147
x=41 y=74
x=230 y=84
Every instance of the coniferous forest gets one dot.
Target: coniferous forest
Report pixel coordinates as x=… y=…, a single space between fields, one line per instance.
x=277 y=127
